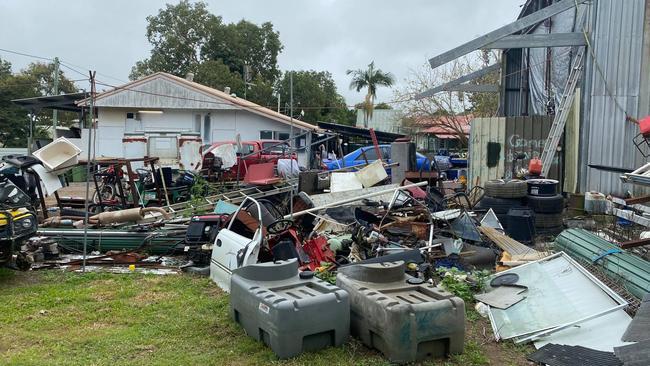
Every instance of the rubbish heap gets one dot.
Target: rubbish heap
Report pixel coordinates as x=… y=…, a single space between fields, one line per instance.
x=312 y=258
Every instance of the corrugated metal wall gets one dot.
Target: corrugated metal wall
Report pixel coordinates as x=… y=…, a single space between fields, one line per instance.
x=515 y=100
x=606 y=139
x=527 y=135
x=516 y=135
x=485 y=130
x=13 y=151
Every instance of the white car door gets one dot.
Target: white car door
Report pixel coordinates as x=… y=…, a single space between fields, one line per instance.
x=232 y=250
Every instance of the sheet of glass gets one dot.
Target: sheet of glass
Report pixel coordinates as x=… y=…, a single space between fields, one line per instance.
x=603 y=333
x=559 y=293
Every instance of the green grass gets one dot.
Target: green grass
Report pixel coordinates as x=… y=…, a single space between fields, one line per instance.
x=58 y=318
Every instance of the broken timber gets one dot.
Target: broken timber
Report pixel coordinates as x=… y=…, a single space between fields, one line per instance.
x=510 y=245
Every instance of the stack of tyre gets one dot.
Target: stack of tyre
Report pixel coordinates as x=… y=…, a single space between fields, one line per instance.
x=543 y=198
x=502 y=195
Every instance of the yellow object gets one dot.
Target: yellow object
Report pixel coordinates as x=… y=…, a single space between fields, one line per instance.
x=462 y=179
x=412 y=266
x=131 y=267
x=16 y=214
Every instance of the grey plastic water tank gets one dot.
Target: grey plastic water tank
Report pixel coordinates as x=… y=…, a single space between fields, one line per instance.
x=288 y=312
x=405 y=322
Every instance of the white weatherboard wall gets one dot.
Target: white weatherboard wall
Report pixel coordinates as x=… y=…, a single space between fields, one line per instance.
x=485 y=130
x=224 y=125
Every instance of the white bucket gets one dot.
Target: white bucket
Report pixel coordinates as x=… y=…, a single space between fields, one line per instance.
x=595 y=203
x=59 y=155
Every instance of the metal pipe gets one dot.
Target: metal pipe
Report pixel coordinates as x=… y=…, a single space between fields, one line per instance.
x=354 y=199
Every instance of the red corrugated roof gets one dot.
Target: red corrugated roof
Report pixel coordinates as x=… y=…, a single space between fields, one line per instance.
x=440 y=126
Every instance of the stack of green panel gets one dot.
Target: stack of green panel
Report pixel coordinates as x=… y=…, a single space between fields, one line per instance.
x=629 y=269
x=103 y=240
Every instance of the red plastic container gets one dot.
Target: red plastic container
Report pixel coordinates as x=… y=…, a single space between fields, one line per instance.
x=535 y=166
x=644 y=126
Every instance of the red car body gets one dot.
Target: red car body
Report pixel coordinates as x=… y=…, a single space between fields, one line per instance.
x=252 y=152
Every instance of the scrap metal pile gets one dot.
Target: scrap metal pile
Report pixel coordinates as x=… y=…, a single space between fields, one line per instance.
x=342 y=248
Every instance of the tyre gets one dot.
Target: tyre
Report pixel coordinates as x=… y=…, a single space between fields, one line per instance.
x=500 y=206
x=542 y=187
x=546 y=204
x=506 y=189
x=548 y=221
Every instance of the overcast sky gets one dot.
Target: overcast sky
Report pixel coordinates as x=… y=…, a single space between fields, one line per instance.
x=332 y=35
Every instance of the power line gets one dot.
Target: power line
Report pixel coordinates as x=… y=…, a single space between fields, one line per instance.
x=26 y=54
x=66 y=64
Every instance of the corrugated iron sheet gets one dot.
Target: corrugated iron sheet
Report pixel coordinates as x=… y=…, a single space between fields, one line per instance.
x=485 y=130
x=629 y=269
x=516 y=135
x=527 y=135
x=617 y=40
x=13 y=151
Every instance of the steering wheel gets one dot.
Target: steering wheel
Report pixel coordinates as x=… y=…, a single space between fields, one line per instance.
x=280 y=226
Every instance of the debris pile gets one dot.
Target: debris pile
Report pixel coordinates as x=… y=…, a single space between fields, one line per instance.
x=312 y=257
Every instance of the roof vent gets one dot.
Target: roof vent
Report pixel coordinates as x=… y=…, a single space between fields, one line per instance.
x=226 y=90
x=189 y=76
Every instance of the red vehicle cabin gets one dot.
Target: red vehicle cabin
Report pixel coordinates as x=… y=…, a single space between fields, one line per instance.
x=253 y=152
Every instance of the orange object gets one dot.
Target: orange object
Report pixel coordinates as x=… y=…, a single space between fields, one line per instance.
x=535 y=166
x=644 y=126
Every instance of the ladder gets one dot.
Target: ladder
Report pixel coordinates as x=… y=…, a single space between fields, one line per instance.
x=375 y=143
x=561 y=115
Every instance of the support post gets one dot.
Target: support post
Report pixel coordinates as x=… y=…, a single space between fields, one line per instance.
x=55 y=91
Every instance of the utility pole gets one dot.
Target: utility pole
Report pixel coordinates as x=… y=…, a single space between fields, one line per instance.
x=89 y=163
x=55 y=113
x=291 y=149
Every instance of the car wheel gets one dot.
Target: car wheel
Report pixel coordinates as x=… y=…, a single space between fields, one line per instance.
x=546 y=204
x=506 y=189
x=542 y=187
x=500 y=206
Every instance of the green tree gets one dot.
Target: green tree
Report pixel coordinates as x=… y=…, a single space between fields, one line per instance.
x=186 y=35
x=245 y=43
x=370 y=79
x=485 y=104
x=216 y=74
x=314 y=93
x=35 y=80
x=177 y=35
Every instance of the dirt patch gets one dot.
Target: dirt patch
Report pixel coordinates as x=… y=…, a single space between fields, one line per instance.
x=499 y=353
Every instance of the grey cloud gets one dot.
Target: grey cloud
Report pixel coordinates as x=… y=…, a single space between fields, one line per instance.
x=332 y=35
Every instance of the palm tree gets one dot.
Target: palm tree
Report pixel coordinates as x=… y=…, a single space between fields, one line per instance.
x=370 y=79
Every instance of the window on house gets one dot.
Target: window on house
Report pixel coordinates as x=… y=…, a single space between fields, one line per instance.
x=197 y=123
x=130 y=115
x=266 y=135
x=300 y=142
x=207 y=127
x=283 y=136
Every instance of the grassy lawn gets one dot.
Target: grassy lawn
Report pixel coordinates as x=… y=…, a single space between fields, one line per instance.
x=52 y=317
